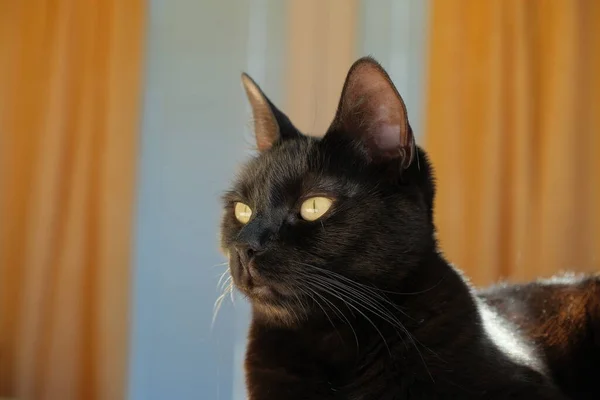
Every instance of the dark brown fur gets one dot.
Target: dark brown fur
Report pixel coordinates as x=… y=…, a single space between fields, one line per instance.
x=562 y=317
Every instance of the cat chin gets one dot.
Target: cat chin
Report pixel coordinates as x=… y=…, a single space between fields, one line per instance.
x=274 y=314
x=263 y=293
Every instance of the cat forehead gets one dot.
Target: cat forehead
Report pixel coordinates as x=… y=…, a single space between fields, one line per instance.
x=287 y=160
x=297 y=167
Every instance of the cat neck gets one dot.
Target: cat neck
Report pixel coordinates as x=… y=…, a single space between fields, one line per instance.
x=437 y=296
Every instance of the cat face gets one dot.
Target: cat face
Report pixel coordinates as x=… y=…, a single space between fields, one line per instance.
x=307 y=213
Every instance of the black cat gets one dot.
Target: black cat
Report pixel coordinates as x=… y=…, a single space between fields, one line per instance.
x=332 y=241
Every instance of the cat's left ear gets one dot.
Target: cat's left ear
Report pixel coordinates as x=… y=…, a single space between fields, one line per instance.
x=270 y=124
x=371 y=110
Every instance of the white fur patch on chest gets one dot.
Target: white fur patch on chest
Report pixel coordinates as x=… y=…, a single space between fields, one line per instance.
x=508 y=339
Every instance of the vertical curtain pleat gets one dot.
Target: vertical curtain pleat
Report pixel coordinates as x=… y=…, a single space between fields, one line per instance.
x=69 y=116
x=513 y=128
x=322 y=36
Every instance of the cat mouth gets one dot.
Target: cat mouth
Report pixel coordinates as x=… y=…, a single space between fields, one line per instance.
x=254 y=284
x=264 y=292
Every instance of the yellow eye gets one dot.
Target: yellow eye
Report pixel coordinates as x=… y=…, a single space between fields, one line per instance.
x=242 y=212
x=312 y=209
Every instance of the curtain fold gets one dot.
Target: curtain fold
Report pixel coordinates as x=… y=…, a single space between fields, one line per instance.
x=70 y=79
x=513 y=129
x=322 y=37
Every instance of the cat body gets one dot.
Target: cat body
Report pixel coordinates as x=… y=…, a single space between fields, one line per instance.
x=440 y=359
x=333 y=243
x=561 y=317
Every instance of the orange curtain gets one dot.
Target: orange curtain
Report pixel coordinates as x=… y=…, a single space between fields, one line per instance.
x=322 y=37
x=69 y=117
x=513 y=128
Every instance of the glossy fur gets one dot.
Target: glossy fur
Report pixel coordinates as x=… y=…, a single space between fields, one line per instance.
x=562 y=318
x=361 y=304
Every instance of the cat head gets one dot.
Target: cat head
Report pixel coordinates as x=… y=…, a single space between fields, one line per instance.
x=354 y=206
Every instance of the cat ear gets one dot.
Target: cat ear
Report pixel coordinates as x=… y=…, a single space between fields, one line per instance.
x=270 y=124
x=371 y=109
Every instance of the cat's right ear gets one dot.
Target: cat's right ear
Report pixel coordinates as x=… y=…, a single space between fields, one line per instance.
x=371 y=110
x=270 y=124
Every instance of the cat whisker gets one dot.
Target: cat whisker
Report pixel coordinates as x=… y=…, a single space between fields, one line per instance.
x=225 y=286
x=300 y=302
x=216 y=309
x=358 y=286
x=364 y=300
x=338 y=313
x=360 y=298
x=230 y=288
x=219 y=264
x=226 y=283
x=312 y=293
x=365 y=292
x=336 y=294
x=292 y=309
x=315 y=299
x=384 y=314
x=337 y=275
x=223 y=275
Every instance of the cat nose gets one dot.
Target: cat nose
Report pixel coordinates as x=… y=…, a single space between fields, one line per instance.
x=254 y=238
x=249 y=271
x=246 y=252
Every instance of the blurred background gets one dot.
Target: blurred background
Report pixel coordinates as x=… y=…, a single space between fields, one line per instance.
x=122 y=121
